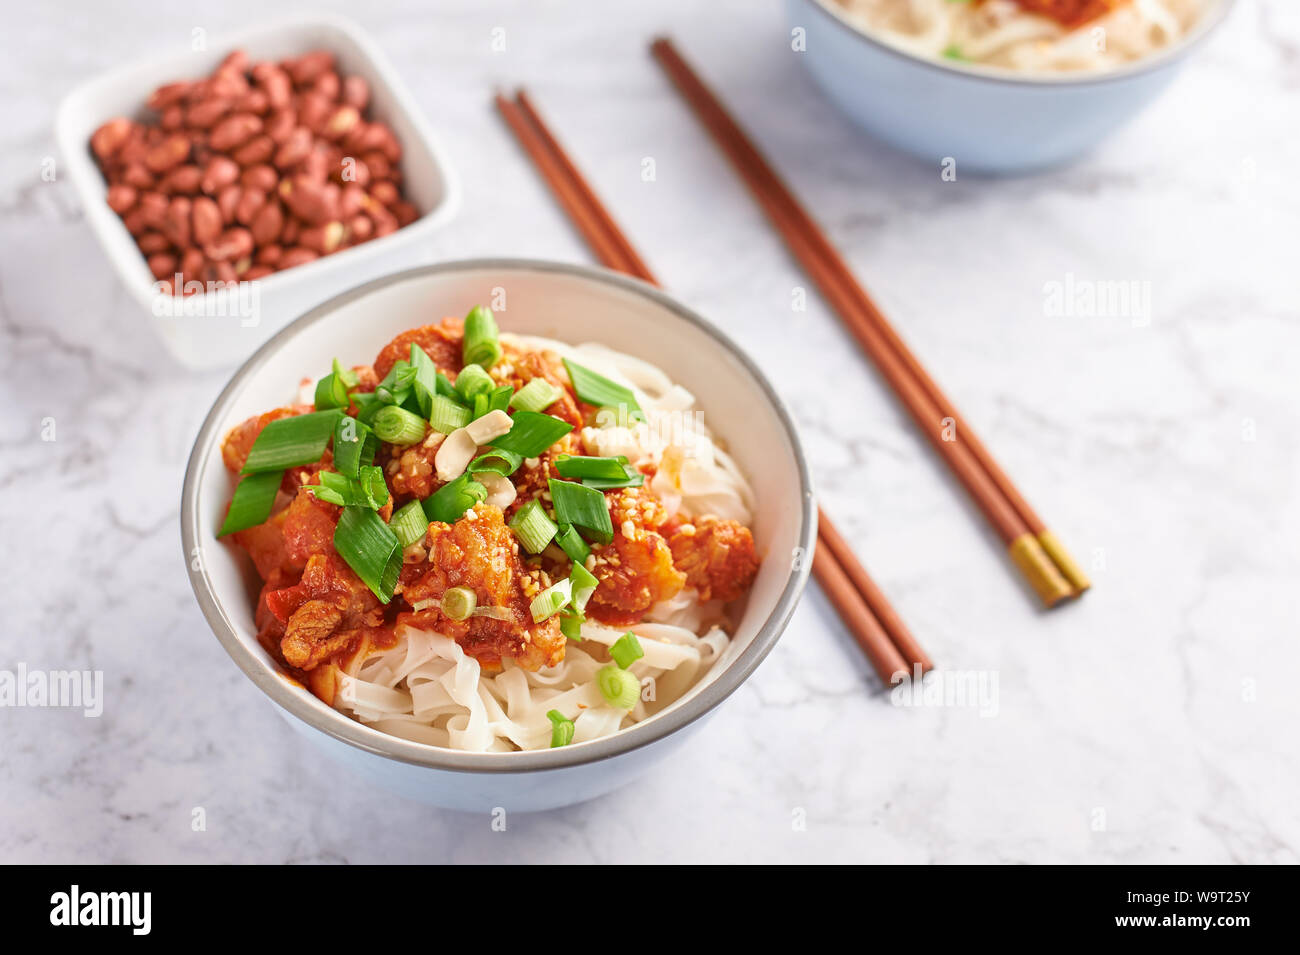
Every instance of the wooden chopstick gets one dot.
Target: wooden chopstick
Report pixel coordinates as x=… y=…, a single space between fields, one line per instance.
x=873 y=623
x=1034 y=550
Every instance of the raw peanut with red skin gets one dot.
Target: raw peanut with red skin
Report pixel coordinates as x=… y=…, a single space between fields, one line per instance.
x=360 y=228
x=242 y=266
x=261 y=177
x=206 y=113
x=153 y=209
x=289 y=234
x=378 y=164
x=206 y=221
x=109 y=138
x=162 y=265
x=233 y=244
x=221 y=272
x=233 y=131
x=172 y=151
x=228 y=201
x=384 y=192
x=138 y=176
x=323 y=239
x=258 y=272
x=309 y=201
x=183 y=180
x=269 y=255
x=177 y=224
x=341 y=122
x=121 y=197
x=327 y=85
x=307 y=67
x=220 y=172
x=172 y=119
x=248 y=206
x=297 y=256
x=316 y=167
x=268 y=223
x=294 y=150
x=234 y=62
x=134 y=222
x=151 y=243
x=254 y=101
x=353 y=170
x=275 y=83
x=192 y=263
x=314 y=111
x=255 y=151
x=351 y=201
x=405 y=213
x=356 y=92
x=168 y=95
x=385 y=222
x=281 y=125
x=229 y=84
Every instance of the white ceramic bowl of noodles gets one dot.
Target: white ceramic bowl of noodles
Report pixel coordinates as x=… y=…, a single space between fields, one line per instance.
x=572 y=304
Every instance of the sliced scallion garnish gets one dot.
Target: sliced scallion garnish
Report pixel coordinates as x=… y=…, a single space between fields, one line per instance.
x=571 y=543
x=332 y=390
x=370 y=548
x=409 y=523
x=583 y=507
x=596 y=389
x=354 y=445
x=473 y=380
x=626 y=650
x=498 y=461
x=453 y=499
x=368 y=489
x=424 y=384
x=291 y=442
x=458 y=603
x=447 y=415
x=251 y=505
x=538 y=395
x=577 y=466
x=584 y=585
x=551 y=601
x=619 y=688
x=398 y=426
x=499 y=398
x=531 y=433
x=481 y=345
x=533 y=528
x=632 y=478
x=561 y=728
x=571 y=623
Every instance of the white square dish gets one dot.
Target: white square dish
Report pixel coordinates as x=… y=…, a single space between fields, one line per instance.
x=229 y=326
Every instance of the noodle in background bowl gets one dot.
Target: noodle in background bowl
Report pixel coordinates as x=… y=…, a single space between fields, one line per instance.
x=989 y=119
x=573 y=304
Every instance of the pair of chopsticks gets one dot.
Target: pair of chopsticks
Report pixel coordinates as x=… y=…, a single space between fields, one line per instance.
x=877 y=628
x=1034 y=550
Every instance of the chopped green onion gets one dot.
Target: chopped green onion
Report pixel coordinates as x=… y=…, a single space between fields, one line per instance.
x=481 y=345
x=576 y=466
x=584 y=585
x=459 y=602
x=424 y=385
x=368 y=489
x=368 y=405
x=332 y=390
x=561 y=728
x=551 y=600
x=596 y=389
x=538 y=395
x=571 y=543
x=626 y=650
x=498 y=461
x=291 y=442
x=619 y=688
x=953 y=52
x=531 y=433
x=632 y=478
x=571 y=622
x=453 y=499
x=399 y=426
x=409 y=523
x=480 y=404
x=583 y=507
x=447 y=415
x=251 y=505
x=354 y=445
x=370 y=548
x=533 y=528
x=473 y=380
x=499 y=398
x=398 y=384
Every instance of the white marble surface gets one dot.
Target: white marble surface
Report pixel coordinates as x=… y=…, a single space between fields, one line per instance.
x=1164 y=701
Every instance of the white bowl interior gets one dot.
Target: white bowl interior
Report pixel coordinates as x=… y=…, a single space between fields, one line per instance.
x=558 y=302
x=123 y=93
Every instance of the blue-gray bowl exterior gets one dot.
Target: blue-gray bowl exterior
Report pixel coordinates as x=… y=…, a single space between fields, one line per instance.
x=987 y=124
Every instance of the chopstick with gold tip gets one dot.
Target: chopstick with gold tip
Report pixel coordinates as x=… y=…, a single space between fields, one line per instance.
x=1034 y=550
x=873 y=623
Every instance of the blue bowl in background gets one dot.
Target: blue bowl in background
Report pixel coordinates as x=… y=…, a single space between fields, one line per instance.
x=987 y=119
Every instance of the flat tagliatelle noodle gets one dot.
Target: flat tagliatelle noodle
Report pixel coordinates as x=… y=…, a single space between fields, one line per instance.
x=426 y=688
x=1002 y=33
